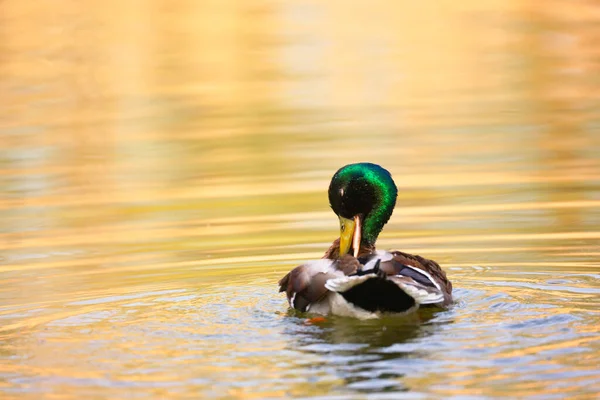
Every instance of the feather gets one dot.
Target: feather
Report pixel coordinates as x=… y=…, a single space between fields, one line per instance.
x=305 y=284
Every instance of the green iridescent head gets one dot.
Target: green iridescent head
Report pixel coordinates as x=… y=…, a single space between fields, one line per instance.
x=363 y=196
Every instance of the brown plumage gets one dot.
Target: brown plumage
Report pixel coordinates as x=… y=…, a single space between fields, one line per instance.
x=306 y=285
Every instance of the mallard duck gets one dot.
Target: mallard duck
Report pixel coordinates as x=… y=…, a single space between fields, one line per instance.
x=353 y=278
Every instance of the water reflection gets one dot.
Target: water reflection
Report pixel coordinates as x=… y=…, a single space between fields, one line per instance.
x=367 y=355
x=162 y=164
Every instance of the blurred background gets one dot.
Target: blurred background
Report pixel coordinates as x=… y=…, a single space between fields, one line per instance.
x=164 y=163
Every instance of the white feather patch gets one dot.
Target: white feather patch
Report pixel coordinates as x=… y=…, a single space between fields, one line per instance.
x=378 y=255
x=320 y=266
x=345 y=283
x=421 y=295
x=292 y=300
x=339 y=306
x=383 y=255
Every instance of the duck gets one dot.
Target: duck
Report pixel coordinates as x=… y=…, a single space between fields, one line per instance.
x=353 y=278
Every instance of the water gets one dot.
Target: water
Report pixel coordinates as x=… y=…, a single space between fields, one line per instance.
x=163 y=164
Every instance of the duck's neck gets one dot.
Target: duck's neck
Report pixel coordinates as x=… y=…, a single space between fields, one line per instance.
x=374 y=221
x=333 y=252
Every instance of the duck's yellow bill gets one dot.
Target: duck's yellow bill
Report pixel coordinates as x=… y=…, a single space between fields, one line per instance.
x=349 y=235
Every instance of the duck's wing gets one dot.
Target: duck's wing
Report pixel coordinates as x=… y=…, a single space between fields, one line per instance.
x=385 y=284
x=432 y=270
x=305 y=284
x=376 y=291
x=419 y=278
x=420 y=272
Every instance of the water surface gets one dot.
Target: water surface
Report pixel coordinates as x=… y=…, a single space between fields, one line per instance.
x=163 y=164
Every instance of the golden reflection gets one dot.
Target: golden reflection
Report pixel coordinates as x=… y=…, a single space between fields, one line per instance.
x=156 y=156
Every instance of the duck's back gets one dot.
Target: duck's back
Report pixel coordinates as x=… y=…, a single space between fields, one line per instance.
x=398 y=263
